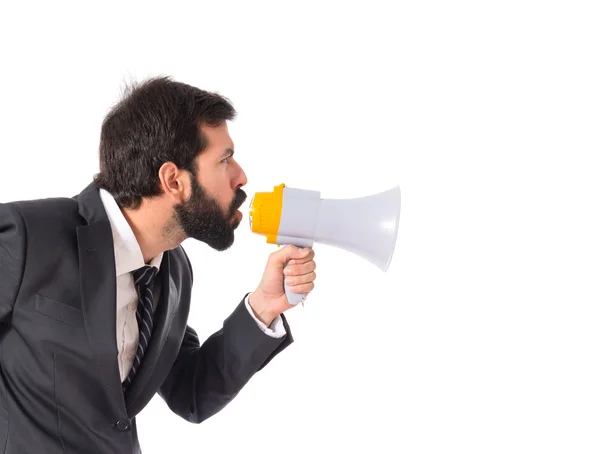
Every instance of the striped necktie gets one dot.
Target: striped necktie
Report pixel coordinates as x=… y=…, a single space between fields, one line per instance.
x=142 y=279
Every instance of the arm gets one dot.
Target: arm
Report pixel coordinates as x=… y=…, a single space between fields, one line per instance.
x=12 y=258
x=276 y=327
x=204 y=379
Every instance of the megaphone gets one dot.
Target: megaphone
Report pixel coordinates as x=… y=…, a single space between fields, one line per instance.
x=366 y=226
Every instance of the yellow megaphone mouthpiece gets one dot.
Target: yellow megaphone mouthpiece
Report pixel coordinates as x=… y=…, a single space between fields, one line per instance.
x=265 y=213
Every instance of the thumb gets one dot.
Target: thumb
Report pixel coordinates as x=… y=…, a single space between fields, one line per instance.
x=289 y=252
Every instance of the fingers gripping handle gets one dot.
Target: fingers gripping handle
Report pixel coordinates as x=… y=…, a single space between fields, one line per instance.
x=293 y=298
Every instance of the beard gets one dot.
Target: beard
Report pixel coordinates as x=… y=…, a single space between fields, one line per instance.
x=201 y=217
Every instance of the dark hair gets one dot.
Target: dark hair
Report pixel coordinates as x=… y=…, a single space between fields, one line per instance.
x=156 y=121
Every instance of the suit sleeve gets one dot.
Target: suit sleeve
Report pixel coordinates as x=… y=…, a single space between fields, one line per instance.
x=12 y=257
x=206 y=377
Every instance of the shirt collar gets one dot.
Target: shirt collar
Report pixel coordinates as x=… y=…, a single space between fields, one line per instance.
x=128 y=255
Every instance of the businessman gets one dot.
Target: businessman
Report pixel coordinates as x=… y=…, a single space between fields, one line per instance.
x=95 y=289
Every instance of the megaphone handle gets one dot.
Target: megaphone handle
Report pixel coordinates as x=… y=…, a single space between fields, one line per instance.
x=293 y=298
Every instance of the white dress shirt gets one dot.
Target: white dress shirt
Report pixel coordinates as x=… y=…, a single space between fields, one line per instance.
x=128 y=257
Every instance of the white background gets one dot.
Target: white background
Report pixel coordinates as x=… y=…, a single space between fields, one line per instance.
x=484 y=334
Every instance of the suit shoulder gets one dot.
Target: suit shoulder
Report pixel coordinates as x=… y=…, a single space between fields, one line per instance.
x=49 y=212
x=10 y=215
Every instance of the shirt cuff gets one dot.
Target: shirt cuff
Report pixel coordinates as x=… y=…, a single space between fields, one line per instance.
x=276 y=329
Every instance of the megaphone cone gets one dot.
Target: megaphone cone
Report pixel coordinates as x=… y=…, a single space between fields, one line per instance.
x=366 y=226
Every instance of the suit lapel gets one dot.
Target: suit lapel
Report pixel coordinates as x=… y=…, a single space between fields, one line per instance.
x=99 y=291
x=98 y=300
x=166 y=308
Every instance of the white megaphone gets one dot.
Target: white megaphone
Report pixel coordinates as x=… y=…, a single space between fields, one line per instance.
x=366 y=226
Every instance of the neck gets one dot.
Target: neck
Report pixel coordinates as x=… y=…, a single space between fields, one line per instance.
x=151 y=224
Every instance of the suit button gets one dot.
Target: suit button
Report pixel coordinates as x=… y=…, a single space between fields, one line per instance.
x=123 y=425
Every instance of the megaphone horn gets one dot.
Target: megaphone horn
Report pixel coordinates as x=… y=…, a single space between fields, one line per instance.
x=366 y=226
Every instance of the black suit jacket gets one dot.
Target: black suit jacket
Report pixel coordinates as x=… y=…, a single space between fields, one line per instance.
x=60 y=389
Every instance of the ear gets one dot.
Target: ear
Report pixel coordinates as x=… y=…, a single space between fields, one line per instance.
x=174 y=182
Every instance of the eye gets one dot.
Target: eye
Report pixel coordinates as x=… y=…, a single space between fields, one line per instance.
x=226 y=160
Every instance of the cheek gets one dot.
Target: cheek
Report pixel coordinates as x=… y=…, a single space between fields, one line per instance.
x=218 y=184
x=224 y=200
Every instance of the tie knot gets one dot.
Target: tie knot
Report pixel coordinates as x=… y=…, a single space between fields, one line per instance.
x=144 y=275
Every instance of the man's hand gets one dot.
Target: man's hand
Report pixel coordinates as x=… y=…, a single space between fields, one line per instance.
x=269 y=299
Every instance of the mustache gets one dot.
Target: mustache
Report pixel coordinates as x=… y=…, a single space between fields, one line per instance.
x=238 y=201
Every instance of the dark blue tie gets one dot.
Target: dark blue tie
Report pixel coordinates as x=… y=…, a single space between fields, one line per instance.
x=142 y=279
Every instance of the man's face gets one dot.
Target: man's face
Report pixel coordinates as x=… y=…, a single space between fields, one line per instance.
x=211 y=213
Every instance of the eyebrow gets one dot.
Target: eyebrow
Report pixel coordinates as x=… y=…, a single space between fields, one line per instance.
x=228 y=152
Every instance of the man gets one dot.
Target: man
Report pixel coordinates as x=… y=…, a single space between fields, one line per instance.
x=95 y=289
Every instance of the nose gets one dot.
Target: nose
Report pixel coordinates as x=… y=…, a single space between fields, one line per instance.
x=241 y=179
